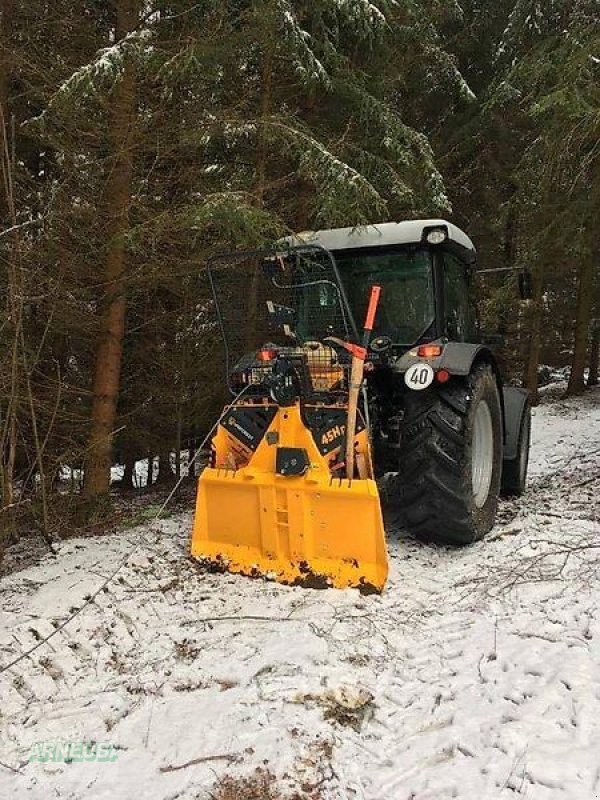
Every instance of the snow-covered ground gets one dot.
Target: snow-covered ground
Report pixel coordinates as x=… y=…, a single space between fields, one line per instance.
x=475 y=675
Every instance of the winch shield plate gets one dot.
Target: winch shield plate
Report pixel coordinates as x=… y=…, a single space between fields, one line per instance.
x=310 y=529
x=301 y=531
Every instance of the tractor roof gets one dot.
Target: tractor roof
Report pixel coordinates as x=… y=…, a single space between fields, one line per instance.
x=382 y=235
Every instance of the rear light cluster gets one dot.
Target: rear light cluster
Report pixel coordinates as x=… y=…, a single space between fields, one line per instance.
x=430 y=350
x=267 y=355
x=434 y=351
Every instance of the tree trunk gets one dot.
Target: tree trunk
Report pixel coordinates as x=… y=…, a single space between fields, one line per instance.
x=178 y=437
x=262 y=149
x=6 y=16
x=585 y=288
x=112 y=326
x=261 y=172
x=14 y=308
x=150 y=475
x=128 y=470
x=535 y=335
x=585 y=294
x=165 y=473
x=594 y=355
x=192 y=443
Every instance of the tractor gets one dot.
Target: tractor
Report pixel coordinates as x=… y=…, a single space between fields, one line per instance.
x=326 y=409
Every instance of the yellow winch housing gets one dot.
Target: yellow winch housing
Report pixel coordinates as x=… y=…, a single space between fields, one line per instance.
x=269 y=504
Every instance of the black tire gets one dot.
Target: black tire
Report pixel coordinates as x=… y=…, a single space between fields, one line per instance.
x=514 y=472
x=435 y=472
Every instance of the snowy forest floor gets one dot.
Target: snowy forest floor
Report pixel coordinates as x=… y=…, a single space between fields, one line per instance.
x=475 y=675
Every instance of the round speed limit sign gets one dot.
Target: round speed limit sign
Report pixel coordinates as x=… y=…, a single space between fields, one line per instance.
x=419 y=377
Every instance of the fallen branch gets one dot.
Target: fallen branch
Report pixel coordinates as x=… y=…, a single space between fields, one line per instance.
x=14 y=505
x=19 y=227
x=585 y=482
x=12 y=769
x=229 y=757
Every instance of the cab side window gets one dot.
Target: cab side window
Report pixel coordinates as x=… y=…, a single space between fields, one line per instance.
x=460 y=323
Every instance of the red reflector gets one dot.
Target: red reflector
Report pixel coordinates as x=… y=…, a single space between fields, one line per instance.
x=267 y=355
x=443 y=376
x=430 y=350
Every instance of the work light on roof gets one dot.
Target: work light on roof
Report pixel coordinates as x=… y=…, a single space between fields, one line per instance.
x=437 y=236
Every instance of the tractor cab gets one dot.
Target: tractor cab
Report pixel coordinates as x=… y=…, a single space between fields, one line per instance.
x=424 y=269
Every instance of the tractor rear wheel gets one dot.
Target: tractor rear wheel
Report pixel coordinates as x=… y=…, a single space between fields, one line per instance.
x=451 y=459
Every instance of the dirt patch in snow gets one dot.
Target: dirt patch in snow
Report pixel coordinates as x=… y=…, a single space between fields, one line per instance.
x=261 y=785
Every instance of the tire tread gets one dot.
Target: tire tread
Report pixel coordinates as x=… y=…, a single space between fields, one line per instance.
x=432 y=477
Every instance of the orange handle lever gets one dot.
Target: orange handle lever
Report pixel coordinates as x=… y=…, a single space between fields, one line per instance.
x=372 y=310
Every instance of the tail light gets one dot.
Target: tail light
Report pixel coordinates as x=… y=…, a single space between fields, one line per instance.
x=430 y=350
x=267 y=354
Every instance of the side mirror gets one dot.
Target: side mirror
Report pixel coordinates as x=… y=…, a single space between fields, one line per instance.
x=525 y=285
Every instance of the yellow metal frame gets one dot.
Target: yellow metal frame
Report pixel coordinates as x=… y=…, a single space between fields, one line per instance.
x=313 y=529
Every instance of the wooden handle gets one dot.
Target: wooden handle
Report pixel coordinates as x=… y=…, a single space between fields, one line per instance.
x=359 y=355
x=356 y=376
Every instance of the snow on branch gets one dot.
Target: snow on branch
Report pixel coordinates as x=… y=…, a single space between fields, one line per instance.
x=406 y=151
x=529 y=20
x=235 y=215
x=368 y=17
x=342 y=189
x=306 y=63
x=104 y=70
x=448 y=71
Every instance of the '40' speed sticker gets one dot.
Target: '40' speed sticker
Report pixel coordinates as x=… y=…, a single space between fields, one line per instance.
x=419 y=377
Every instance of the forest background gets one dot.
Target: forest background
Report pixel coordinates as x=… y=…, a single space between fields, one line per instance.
x=138 y=138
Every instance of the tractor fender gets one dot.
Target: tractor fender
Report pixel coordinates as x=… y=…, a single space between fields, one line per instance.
x=457 y=358
x=515 y=402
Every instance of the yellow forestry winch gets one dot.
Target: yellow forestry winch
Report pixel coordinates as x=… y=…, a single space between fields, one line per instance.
x=289 y=492
x=279 y=512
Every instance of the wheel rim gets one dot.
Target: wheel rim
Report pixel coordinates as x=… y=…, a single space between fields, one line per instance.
x=482 y=454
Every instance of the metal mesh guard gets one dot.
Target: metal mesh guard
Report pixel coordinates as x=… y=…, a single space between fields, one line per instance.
x=286 y=304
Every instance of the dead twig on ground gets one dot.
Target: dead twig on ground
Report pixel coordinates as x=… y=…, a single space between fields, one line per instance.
x=231 y=758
